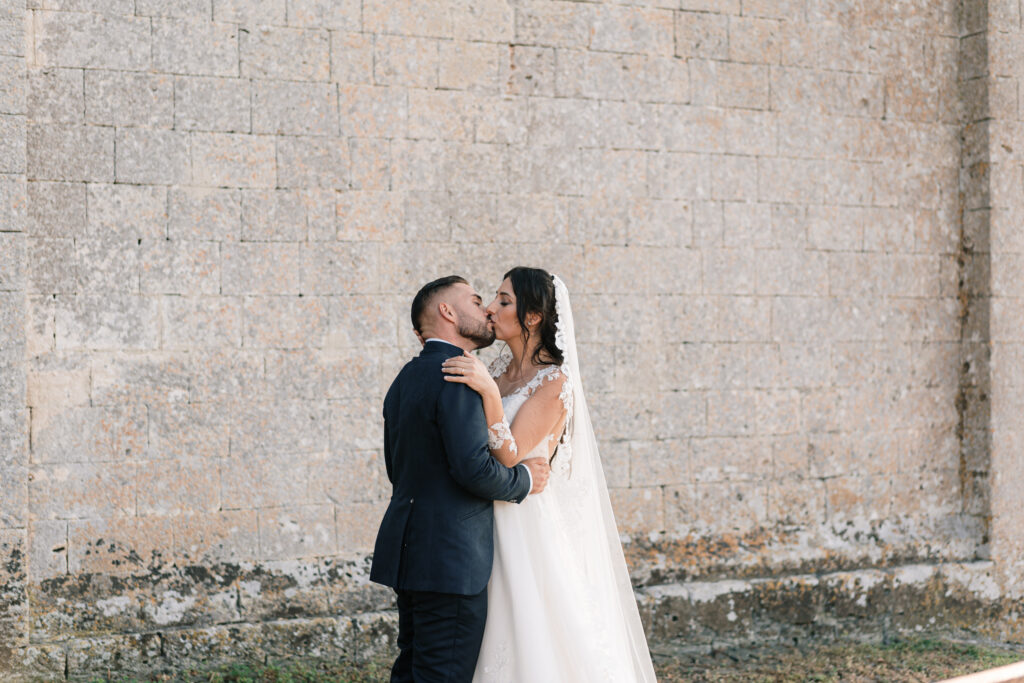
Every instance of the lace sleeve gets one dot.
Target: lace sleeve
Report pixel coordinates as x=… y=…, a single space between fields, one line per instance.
x=499 y=434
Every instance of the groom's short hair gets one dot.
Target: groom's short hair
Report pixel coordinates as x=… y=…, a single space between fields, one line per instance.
x=421 y=302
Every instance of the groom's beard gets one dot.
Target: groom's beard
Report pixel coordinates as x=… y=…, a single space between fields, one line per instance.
x=478 y=333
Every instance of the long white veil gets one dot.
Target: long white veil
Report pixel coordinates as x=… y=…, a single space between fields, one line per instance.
x=588 y=508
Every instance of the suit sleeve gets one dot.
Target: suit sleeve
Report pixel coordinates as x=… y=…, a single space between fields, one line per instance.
x=463 y=429
x=387 y=452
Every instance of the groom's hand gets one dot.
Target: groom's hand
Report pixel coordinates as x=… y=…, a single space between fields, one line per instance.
x=539 y=470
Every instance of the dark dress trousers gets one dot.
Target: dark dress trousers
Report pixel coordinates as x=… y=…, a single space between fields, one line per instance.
x=435 y=545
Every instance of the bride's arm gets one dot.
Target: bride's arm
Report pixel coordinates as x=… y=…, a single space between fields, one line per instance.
x=536 y=420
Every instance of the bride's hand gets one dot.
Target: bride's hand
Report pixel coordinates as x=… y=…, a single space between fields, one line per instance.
x=469 y=370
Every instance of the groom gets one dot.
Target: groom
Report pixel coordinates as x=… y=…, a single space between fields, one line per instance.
x=435 y=544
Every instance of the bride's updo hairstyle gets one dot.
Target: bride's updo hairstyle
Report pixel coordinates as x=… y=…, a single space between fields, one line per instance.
x=535 y=293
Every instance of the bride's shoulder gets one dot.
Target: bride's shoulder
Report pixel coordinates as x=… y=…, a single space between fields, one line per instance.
x=552 y=383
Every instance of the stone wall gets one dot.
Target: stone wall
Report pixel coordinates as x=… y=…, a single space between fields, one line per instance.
x=791 y=230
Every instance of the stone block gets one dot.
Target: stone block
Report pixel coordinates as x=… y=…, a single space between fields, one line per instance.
x=294 y=532
x=223 y=536
x=632 y=29
x=331 y=372
x=55 y=210
x=638 y=510
x=312 y=162
x=204 y=214
x=561 y=122
x=344 y=268
x=116 y=547
x=106 y=264
x=344 y=15
x=782 y=271
x=702 y=35
x=82 y=153
x=629 y=125
x=285 y=53
x=468 y=66
x=356 y=425
x=12 y=262
x=223 y=375
x=280 y=426
x=560 y=24
x=126 y=212
x=175 y=267
x=155 y=157
x=371 y=164
x=184 y=431
x=415 y=164
x=431 y=18
x=48 y=548
x=719 y=459
x=273 y=216
x=755 y=40
x=659 y=463
x=260 y=268
x=192 y=104
x=120 y=99
x=370 y=216
x=107 y=321
x=76 y=434
x=56 y=95
x=743 y=86
x=404 y=61
x=156 y=377
x=427 y=216
x=527 y=70
x=554 y=170
x=13 y=203
x=264 y=480
x=14 y=99
x=96 y=41
x=173 y=487
x=291 y=108
x=475 y=167
x=171 y=8
x=678 y=176
x=372 y=112
x=531 y=218
x=732 y=413
x=194 y=46
x=82 y=490
x=223 y=159
x=492 y=22
x=199 y=322
x=12 y=144
x=351 y=57
x=284 y=322
x=442 y=114
x=247 y=13
x=39 y=325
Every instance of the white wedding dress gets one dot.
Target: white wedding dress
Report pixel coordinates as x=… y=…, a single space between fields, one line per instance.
x=560 y=607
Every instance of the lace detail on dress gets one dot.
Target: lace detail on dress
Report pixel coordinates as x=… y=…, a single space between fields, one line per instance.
x=500 y=433
x=500 y=364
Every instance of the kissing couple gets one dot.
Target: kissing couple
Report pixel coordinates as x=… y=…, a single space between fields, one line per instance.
x=499 y=540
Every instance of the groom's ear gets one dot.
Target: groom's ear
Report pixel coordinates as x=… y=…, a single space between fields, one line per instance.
x=446 y=311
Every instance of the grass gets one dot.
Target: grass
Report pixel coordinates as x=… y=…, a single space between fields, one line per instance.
x=921 y=659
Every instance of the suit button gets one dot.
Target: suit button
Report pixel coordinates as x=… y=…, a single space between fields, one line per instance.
x=411 y=501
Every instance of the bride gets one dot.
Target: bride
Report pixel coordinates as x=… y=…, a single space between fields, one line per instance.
x=560 y=606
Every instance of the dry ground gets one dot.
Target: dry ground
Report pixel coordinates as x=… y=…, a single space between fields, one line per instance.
x=921 y=659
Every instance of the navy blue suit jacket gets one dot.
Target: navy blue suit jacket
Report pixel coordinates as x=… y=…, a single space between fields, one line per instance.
x=438 y=532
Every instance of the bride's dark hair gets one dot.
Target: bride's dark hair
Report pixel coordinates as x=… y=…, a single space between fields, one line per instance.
x=535 y=293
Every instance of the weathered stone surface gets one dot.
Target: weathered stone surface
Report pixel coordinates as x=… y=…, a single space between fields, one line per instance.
x=790 y=231
x=192 y=110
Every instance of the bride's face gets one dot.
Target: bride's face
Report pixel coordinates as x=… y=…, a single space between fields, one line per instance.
x=502 y=312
